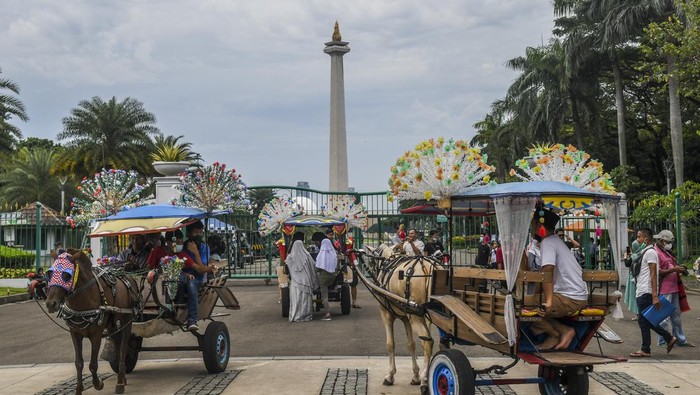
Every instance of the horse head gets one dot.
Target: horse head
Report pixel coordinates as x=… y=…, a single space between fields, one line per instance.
x=376 y=257
x=64 y=276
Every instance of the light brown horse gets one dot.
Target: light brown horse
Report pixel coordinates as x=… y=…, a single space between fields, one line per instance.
x=92 y=301
x=409 y=278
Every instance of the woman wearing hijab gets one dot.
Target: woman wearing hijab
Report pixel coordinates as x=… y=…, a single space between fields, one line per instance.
x=327 y=270
x=302 y=283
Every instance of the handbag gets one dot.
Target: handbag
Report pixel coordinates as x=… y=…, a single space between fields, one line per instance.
x=655 y=316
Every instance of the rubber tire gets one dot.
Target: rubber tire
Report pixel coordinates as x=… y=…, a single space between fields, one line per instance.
x=571 y=380
x=345 y=299
x=285 y=302
x=456 y=364
x=216 y=347
x=132 y=356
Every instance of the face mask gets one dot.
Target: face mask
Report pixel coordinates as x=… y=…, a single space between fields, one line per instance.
x=668 y=246
x=178 y=248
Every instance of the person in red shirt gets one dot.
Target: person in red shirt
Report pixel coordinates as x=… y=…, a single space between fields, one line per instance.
x=498 y=264
x=170 y=245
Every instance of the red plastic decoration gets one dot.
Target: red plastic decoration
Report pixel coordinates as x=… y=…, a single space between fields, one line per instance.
x=598 y=231
x=542 y=232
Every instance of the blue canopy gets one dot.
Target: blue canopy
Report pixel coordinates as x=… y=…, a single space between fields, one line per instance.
x=161 y=211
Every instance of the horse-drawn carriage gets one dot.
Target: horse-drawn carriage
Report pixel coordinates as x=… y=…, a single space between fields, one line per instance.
x=339 y=291
x=101 y=300
x=424 y=290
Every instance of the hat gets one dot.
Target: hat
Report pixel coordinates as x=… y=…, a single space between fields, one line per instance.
x=551 y=219
x=665 y=235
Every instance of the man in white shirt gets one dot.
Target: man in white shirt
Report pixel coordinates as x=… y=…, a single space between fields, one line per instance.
x=566 y=294
x=647 y=294
x=412 y=246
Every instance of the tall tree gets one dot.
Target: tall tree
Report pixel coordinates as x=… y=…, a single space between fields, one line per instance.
x=10 y=107
x=114 y=134
x=29 y=177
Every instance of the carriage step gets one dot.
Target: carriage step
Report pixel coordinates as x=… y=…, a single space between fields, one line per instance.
x=469 y=320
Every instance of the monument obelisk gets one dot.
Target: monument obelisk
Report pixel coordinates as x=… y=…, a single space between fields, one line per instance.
x=338 y=153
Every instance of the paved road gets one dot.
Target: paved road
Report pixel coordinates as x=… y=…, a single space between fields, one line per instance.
x=258 y=330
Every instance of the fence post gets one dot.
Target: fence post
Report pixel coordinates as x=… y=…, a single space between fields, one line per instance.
x=679 y=238
x=38 y=236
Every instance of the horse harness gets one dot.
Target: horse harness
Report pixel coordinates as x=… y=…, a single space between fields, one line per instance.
x=81 y=319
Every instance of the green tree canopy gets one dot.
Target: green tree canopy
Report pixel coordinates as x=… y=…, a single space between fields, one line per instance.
x=28 y=177
x=10 y=107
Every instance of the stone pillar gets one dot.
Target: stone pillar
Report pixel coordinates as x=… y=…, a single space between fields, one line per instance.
x=338 y=153
x=165 y=191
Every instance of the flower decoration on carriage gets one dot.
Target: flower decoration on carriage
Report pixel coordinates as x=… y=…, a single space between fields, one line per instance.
x=171 y=267
x=275 y=212
x=345 y=208
x=107 y=260
x=437 y=169
x=107 y=193
x=564 y=164
x=212 y=188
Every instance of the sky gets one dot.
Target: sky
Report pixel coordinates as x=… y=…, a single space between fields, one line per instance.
x=248 y=84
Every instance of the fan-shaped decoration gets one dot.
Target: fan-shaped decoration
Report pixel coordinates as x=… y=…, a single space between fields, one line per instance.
x=438 y=169
x=108 y=192
x=565 y=164
x=275 y=212
x=212 y=188
x=344 y=207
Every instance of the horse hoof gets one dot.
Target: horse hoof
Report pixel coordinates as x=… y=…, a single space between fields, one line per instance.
x=415 y=381
x=387 y=382
x=424 y=389
x=119 y=389
x=98 y=385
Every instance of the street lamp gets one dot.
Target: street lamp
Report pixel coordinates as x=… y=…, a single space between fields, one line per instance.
x=62 y=180
x=668 y=166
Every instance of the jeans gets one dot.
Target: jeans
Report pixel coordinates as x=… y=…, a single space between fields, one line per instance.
x=191 y=287
x=675 y=318
x=643 y=302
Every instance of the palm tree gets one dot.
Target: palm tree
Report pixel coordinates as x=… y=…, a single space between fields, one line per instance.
x=28 y=177
x=170 y=149
x=114 y=134
x=10 y=107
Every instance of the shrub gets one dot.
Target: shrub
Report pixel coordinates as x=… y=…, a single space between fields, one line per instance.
x=13 y=258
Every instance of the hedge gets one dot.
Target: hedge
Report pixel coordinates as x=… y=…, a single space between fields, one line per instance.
x=13 y=258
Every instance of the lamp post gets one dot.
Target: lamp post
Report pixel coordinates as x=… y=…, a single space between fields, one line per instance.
x=668 y=166
x=62 y=180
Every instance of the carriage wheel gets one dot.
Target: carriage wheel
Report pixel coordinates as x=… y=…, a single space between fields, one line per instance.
x=345 y=299
x=216 y=347
x=563 y=380
x=132 y=355
x=285 y=302
x=451 y=373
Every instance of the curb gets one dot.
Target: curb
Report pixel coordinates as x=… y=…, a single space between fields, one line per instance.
x=14 y=298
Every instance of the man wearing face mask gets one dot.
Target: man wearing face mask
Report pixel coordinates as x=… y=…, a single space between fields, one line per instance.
x=671 y=287
x=196 y=267
x=169 y=246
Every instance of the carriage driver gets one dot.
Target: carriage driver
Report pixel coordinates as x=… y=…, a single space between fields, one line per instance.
x=412 y=245
x=566 y=294
x=193 y=272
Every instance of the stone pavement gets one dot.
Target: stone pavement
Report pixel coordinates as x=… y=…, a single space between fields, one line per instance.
x=331 y=375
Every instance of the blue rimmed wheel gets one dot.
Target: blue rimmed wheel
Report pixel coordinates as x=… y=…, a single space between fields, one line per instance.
x=216 y=347
x=451 y=374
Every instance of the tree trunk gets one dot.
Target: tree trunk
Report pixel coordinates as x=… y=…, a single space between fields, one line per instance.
x=576 y=118
x=674 y=102
x=620 y=106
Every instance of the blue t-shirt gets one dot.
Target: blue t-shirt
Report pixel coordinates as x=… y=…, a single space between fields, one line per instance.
x=203 y=255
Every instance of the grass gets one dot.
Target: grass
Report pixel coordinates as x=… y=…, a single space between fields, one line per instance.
x=12 y=291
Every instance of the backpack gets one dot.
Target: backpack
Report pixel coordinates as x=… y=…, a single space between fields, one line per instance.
x=636 y=266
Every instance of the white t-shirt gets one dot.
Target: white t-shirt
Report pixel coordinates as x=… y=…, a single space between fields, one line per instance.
x=568 y=276
x=644 y=277
x=409 y=250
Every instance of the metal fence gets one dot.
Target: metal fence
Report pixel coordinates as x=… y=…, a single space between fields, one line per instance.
x=27 y=236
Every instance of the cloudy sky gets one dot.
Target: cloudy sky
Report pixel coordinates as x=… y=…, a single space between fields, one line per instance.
x=248 y=84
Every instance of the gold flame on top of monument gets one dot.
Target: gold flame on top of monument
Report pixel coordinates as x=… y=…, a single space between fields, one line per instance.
x=336 y=33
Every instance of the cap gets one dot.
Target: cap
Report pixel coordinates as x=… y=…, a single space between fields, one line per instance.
x=665 y=235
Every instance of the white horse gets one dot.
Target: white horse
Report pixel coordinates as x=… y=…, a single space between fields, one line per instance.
x=409 y=278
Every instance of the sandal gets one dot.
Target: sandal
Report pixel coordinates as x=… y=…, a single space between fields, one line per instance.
x=640 y=354
x=356 y=306
x=670 y=345
x=326 y=317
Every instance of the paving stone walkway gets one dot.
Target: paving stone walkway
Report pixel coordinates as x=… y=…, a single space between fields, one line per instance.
x=67 y=387
x=623 y=384
x=208 y=384
x=345 y=382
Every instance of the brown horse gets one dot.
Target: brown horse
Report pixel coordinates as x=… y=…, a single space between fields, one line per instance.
x=92 y=302
x=409 y=278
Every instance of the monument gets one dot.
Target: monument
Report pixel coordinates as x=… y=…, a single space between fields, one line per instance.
x=338 y=153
